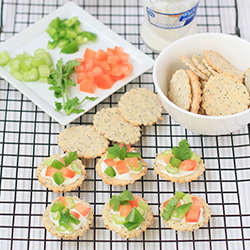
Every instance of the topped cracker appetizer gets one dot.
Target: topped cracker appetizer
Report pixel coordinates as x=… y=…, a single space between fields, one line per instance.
x=121 y=165
x=185 y=212
x=179 y=164
x=62 y=172
x=127 y=214
x=68 y=217
x=140 y=106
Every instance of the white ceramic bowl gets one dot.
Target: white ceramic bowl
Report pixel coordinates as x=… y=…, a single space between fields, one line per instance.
x=236 y=50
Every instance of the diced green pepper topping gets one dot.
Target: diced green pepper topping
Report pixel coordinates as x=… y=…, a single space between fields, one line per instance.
x=131 y=225
x=110 y=171
x=169 y=208
x=57 y=206
x=58 y=178
x=135 y=216
x=109 y=156
x=183 y=209
x=52 y=45
x=57 y=164
x=72 y=47
x=179 y=194
x=174 y=162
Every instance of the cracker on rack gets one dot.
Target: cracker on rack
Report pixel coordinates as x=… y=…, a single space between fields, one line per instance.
x=84 y=139
x=221 y=65
x=109 y=123
x=140 y=107
x=179 y=91
x=225 y=94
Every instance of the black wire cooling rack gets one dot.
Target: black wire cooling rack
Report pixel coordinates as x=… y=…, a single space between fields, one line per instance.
x=28 y=135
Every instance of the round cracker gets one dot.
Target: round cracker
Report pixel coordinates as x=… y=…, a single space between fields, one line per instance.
x=187 y=178
x=84 y=139
x=247 y=79
x=140 y=107
x=225 y=94
x=49 y=183
x=209 y=67
x=198 y=62
x=115 y=181
x=107 y=214
x=196 y=91
x=51 y=227
x=179 y=91
x=109 y=123
x=179 y=225
x=220 y=64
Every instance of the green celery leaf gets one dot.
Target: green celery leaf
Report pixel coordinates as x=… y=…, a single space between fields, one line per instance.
x=68 y=159
x=58 y=106
x=117 y=199
x=182 y=152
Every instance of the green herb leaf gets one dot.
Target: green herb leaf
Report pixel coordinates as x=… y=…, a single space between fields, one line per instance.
x=58 y=106
x=68 y=159
x=117 y=199
x=182 y=152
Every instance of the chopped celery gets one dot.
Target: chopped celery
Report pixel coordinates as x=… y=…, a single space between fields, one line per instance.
x=48 y=161
x=70 y=203
x=167 y=152
x=187 y=198
x=26 y=63
x=44 y=71
x=4 y=58
x=171 y=169
x=110 y=171
x=56 y=215
x=195 y=157
x=37 y=61
x=75 y=168
x=31 y=75
x=39 y=52
x=14 y=65
x=57 y=206
x=143 y=205
x=119 y=220
x=175 y=162
x=142 y=212
x=47 y=59
x=139 y=168
x=43 y=79
x=18 y=76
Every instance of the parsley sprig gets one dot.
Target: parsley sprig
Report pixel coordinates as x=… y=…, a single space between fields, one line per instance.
x=121 y=152
x=60 y=81
x=68 y=159
x=116 y=200
x=182 y=152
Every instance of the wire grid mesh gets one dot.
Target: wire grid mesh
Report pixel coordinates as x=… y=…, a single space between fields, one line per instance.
x=28 y=135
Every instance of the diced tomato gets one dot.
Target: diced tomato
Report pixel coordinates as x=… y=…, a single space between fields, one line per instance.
x=166 y=158
x=123 y=56
x=122 y=145
x=134 y=203
x=63 y=200
x=82 y=209
x=89 y=64
x=50 y=171
x=89 y=53
x=132 y=162
x=125 y=210
x=104 y=66
x=96 y=71
x=101 y=55
x=113 y=59
x=117 y=50
x=196 y=203
x=121 y=167
x=193 y=214
x=109 y=162
x=188 y=165
x=80 y=68
x=86 y=85
x=80 y=76
x=75 y=214
x=104 y=81
x=80 y=59
x=67 y=172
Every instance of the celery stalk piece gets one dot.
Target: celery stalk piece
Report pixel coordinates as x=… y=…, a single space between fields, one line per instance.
x=4 y=58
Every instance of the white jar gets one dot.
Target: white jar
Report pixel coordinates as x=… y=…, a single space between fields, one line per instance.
x=167 y=21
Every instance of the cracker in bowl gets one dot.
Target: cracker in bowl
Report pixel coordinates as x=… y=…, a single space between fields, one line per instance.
x=247 y=79
x=179 y=164
x=121 y=165
x=68 y=217
x=140 y=106
x=127 y=214
x=185 y=212
x=61 y=172
x=84 y=139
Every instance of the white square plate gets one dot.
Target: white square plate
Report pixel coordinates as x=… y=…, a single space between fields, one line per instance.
x=35 y=37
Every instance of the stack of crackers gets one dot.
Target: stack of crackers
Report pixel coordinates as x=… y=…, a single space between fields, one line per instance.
x=211 y=86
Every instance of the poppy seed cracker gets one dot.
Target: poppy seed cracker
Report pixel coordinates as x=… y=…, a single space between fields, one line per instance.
x=140 y=107
x=247 y=79
x=109 y=123
x=225 y=94
x=179 y=91
x=84 y=139
x=198 y=62
x=209 y=67
x=220 y=64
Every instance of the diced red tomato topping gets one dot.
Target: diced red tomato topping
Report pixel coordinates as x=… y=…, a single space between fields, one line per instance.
x=132 y=162
x=121 y=167
x=125 y=210
x=134 y=203
x=109 y=162
x=63 y=200
x=82 y=209
x=50 y=171
x=67 y=172
x=103 y=68
x=75 y=214
x=188 y=165
x=122 y=145
x=193 y=214
x=166 y=158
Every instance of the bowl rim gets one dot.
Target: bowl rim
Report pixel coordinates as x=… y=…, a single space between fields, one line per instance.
x=162 y=54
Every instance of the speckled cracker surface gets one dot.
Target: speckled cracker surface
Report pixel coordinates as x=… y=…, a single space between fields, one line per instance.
x=225 y=94
x=116 y=181
x=179 y=91
x=188 y=62
x=84 y=139
x=159 y=168
x=247 y=79
x=109 y=123
x=51 y=227
x=107 y=214
x=179 y=225
x=220 y=64
x=49 y=183
x=198 y=62
x=209 y=67
x=140 y=107
x=196 y=91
